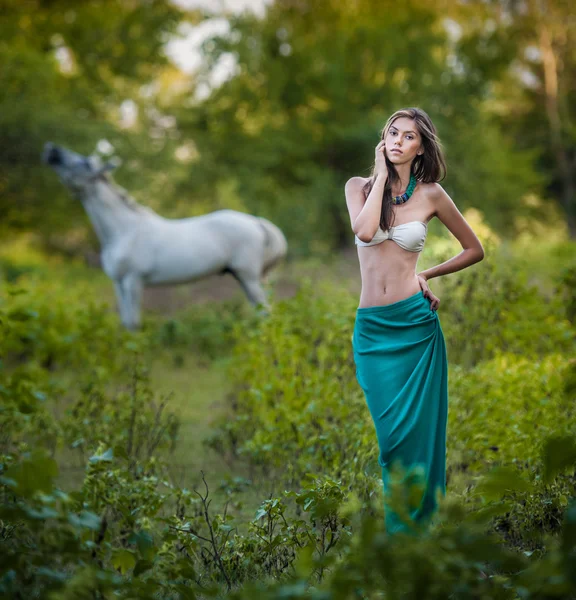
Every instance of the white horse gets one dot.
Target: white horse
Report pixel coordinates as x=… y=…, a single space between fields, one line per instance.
x=140 y=248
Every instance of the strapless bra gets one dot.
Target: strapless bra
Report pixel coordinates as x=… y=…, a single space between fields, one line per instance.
x=410 y=236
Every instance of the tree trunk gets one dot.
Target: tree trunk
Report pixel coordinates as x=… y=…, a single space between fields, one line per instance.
x=550 y=65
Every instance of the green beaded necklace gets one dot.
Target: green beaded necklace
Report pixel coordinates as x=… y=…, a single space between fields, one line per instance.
x=409 y=190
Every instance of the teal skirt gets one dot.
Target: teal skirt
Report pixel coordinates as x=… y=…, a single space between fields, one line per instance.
x=402 y=366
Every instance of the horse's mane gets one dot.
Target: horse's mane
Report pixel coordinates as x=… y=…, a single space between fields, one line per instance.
x=125 y=196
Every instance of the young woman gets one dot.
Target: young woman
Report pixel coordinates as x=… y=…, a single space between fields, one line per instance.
x=398 y=343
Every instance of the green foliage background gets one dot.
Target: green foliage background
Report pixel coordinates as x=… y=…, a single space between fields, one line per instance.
x=300 y=113
x=216 y=453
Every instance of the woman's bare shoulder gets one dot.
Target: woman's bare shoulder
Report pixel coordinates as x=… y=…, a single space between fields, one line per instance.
x=357 y=182
x=433 y=189
x=428 y=187
x=432 y=192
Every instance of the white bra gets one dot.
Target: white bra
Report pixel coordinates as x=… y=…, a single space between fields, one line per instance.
x=410 y=236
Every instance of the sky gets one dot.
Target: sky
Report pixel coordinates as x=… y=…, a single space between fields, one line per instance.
x=218 y=5
x=184 y=52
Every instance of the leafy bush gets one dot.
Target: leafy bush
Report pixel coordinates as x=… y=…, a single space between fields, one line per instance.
x=298 y=407
x=108 y=541
x=502 y=409
x=205 y=330
x=493 y=308
x=73 y=383
x=297 y=393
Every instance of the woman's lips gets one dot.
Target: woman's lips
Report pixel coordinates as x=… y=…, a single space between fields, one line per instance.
x=394 y=150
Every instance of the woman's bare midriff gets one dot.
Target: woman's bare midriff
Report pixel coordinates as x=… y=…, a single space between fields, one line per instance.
x=388 y=274
x=388 y=271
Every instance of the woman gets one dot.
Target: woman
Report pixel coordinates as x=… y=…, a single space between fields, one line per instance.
x=399 y=349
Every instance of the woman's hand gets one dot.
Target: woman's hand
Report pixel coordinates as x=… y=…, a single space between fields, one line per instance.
x=380 y=160
x=434 y=301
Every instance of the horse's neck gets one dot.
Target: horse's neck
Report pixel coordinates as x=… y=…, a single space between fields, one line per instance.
x=111 y=216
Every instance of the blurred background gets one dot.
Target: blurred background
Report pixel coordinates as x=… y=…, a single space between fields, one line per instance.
x=269 y=107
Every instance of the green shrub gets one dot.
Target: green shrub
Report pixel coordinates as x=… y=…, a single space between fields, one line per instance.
x=72 y=382
x=492 y=308
x=56 y=328
x=297 y=393
x=500 y=410
x=204 y=330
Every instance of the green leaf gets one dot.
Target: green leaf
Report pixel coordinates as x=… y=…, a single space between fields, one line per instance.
x=123 y=560
x=185 y=592
x=142 y=566
x=86 y=520
x=559 y=453
x=259 y=514
x=52 y=574
x=304 y=563
x=569 y=529
x=501 y=480
x=145 y=542
x=106 y=457
x=35 y=473
x=484 y=514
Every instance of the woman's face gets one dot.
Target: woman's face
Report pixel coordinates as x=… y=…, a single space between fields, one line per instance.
x=403 y=142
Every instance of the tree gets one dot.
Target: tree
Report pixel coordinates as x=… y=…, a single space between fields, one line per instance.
x=538 y=96
x=313 y=86
x=66 y=70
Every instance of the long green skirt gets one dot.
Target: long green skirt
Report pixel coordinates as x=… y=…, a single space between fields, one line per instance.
x=402 y=366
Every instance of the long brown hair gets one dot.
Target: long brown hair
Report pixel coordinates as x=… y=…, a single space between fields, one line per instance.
x=429 y=167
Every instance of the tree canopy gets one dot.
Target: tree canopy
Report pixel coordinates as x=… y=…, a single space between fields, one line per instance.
x=312 y=86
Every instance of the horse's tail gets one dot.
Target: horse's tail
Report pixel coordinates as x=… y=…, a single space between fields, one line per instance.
x=275 y=244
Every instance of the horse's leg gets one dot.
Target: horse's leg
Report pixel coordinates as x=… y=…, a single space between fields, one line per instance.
x=252 y=288
x=132 y=292
x=121 y=301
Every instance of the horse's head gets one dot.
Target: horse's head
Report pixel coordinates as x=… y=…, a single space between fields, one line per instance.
x=75 y=170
